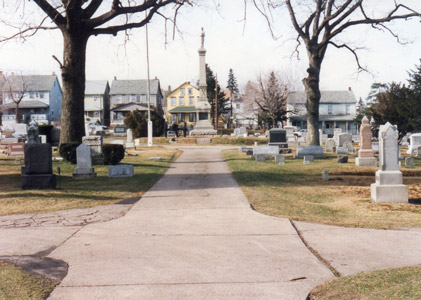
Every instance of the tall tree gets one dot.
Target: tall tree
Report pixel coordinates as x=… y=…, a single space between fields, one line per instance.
x=78 y=20
x=320 y=24
x=272 y=99
x=232 y=84
x=212 y=88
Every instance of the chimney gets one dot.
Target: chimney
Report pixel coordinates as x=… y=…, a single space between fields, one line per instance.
x=115 y=77
x=169 y=88
x=156 y=78
x=349 y=89
x=54 y=73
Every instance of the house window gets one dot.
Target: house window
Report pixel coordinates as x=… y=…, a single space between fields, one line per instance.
x=32 y=95
x=95 y=98
x=127 y=99
x=138 y=98
x=182 y=91
x=173 y=101
x=173 y=117
x=348 y=109
x=191 y=100
x=41 y=95
x=143 y=98
x=181 y=101
x=190 y=92
x=192 y=117
x=329 y=109
x=96 y=114
x=180 y=117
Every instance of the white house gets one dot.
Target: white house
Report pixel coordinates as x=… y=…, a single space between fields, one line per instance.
x=337 y=109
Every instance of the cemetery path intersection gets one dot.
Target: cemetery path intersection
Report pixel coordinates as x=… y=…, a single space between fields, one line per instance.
x=194 y=236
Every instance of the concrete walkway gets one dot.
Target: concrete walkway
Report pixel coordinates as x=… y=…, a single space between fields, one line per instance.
x=194 y=236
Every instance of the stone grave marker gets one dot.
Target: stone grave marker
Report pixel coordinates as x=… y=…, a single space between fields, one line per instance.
x=316 y=151
x=342 y=159
x=349 y=146
x=279 y=158
x=84 y=168
x=414 y=142
x=260 y=157
x=342 y=150
x=325 y=175
x=365 y=154
x=388 y=187
x=129 y=141
x=336 y=133
x=266 y=150
x=16 y=149
x=37 y=173
x=120 y=130
x=344 y=137
x=278 y=137
x=118 y=171
x=203 y=141
x=21 y=129
x=309 y=157
x=330 y=146
x=33 y=134
x=418 y=151
x=95 y=142
x=409 y=161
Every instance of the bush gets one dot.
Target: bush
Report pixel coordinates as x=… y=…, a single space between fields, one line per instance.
x=138 y=122
x=112 y=154
x=68 y=151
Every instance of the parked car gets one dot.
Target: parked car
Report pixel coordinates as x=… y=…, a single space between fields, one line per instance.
x=96 y=127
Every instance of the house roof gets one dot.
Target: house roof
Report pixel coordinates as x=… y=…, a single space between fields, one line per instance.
x=29 y=83
x=130 y=107
x=134 y=87
x=187 y=84
x=326 y=97
x=326 y=118
x=25 y=104
x=183 y=109
x=95 y=87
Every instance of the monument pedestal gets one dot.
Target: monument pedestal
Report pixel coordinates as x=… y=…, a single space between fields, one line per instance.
x=38 y=181
x=84 y=173
x=203 y=128
x=316 y=151
x=389 y=188
x=366 y=161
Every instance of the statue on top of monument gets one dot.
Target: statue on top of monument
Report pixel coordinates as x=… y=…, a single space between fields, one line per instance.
x=202 y=35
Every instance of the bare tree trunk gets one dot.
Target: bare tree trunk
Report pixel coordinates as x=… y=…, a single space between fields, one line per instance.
x=17 y=119
x=311 y=84
x=73 y=75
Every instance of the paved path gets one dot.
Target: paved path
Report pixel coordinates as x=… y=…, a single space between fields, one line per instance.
x=194 y=236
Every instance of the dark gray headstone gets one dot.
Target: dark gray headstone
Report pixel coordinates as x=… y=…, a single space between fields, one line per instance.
x=38 y=168
x=342 y=159
x=277 y=136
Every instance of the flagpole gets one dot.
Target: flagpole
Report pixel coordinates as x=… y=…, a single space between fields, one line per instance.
x=150 y=140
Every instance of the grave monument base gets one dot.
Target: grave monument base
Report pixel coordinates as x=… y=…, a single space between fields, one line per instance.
x=316 y=151
x=203 y=128
x=366 y=161
x=38 y=181
x=397 y=193
x=84 y=173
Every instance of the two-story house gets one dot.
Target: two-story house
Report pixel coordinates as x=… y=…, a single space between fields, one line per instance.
x=97 y=102
x=181 y=104
x=40 y=99
x=131 y=95
x=337 y=109
x=244 y=112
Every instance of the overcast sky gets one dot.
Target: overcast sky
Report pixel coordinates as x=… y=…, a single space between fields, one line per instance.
x=245 y=46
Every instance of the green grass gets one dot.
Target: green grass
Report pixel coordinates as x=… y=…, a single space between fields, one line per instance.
x=16 y=284
x=72 y=193
x=396 y=284
x=297 y=192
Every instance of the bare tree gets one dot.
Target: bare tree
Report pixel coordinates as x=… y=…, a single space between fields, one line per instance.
x=78 y=20
x=271 y=98
x=320 y=23
x=15 y=88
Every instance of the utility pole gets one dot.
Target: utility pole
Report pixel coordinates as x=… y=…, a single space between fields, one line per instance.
x=216 y=102
x=150 y=137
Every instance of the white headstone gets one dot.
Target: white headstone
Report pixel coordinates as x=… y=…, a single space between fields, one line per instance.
x=21 y=129
x=344 y=137
x=349 y=146
x=129 y=141
x=388 y=187
x=415 y=141
x=120 y=171
x=95 y=143
x=330 y=146
x=84 y=163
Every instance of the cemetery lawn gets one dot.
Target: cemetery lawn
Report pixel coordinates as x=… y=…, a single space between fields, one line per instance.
x=16 y=284
x=297 y=192
x=71 y=193
x=401 y=283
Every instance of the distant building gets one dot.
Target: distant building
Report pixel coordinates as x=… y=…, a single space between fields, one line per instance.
x=97 y=102
x=244 y=113
x=129 y=95
x=181 y=104
x=337 y=110
x=41 y=99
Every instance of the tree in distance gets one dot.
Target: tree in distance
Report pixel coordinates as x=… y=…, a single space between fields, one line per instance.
x=138 y=122
x=78 y=20
x=212 y=88
x=321 y=24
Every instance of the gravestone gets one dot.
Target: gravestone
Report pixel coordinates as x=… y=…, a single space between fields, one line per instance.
x=260 y=157
x=365 y=154
x=95 y=142
x=414 y=142
x=266 y=150
x=342 y=150
x=43 y=138
x=325 y=175
x=84 y=168
x=409 y=161
x=118 y=171
x=20 y=129
x=289 y=130
x=33 y=134
x=316 y=151
x=16 y=149
x=344 y=137
x=203 y=141
x=321 y=137
x=129 y=141
x=418 y=151
x=242 y=131
x=278 y=137
x=120 y=130
x=342 y=159
x=336 y=133
x=330 y=146
x=37 y=173
x=349 y=146
x=309 y=157
x=388 y=187
x=279 y=158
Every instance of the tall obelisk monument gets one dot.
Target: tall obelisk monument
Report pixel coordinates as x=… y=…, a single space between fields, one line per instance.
x=203 y=126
